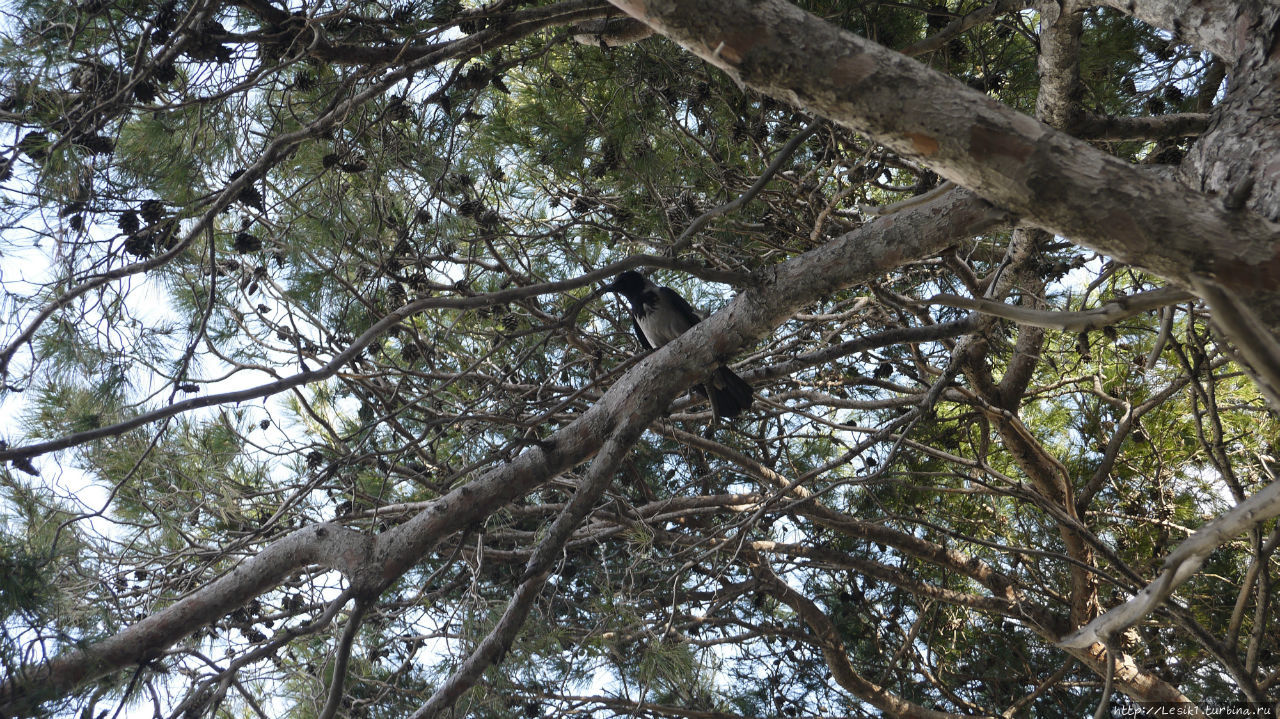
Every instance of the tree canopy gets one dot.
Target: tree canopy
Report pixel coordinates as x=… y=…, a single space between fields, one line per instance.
x=315 y=403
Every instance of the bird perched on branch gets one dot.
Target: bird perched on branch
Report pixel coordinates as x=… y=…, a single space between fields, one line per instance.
x=660 y=315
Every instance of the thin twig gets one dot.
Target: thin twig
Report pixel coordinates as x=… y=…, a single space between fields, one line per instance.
x=783 y=156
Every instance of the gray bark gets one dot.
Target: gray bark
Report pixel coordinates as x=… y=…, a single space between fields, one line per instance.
x=1050 y=179
x=637 y=399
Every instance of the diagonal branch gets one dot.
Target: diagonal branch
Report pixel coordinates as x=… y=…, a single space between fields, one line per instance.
x=1045 y=176
x=1179 y=566
x=495 y=645
x=328 y=545
x=638 y=397
x=342 y=658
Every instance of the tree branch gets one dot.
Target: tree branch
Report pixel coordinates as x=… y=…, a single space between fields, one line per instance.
x=329 y=545
x=1209 y=25
x=1047 y=177
x=639 y=396
x=1111 y=312
x=783 y=156
x=1058 y=99
x=341 y=657
x=1179 y=566
x=495 y=645
x=1155 y=127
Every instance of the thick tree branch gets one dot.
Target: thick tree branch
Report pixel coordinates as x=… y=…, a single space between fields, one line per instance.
x=1058 y=101
x=329 y=545
x=1045 y=176
x=1209 y=25
x=639 y=397
x=611 y=32
x=1155 y=127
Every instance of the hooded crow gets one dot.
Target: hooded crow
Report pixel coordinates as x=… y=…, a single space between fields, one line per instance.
x=660 y=315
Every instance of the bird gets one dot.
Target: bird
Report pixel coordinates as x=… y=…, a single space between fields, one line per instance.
x=659 y=315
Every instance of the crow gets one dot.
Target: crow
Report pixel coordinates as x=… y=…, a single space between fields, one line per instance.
x=660 y=315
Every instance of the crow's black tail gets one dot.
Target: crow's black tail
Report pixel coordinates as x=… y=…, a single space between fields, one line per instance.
x=729 y=393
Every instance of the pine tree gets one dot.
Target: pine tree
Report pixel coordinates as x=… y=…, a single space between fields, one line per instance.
x=315 y=402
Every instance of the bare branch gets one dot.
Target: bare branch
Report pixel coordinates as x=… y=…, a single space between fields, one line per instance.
x=1155 y=127
x=1111 y=312
x=498 y=641
x=781 y=158
x=341 y=656
x=1179 y=566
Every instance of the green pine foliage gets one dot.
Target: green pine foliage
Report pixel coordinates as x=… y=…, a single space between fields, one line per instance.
x=463 y=187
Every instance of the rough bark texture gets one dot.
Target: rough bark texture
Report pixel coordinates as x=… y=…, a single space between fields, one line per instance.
x=1210 y=230
x=1216 y=238
x=1238 y=158
x=1210 y=25
x=1049 y=178
x=328 y=545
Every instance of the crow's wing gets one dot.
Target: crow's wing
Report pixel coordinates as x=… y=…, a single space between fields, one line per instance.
x=686 y=311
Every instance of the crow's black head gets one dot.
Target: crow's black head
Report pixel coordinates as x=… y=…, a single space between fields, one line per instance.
x=629 y=283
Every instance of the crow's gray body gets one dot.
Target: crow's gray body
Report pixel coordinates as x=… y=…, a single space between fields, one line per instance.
x=659 y=315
